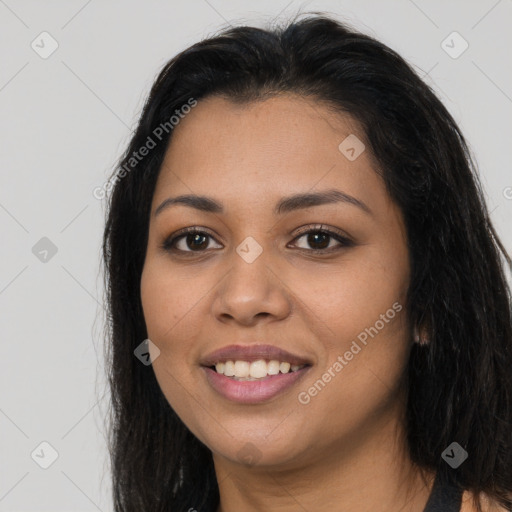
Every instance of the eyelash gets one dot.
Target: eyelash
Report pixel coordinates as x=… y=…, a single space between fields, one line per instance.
x=168 y=244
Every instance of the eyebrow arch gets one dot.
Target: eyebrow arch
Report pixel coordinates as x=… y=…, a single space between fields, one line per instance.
x=285 y=205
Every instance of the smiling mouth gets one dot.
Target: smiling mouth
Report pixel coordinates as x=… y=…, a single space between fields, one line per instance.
x=260 y=369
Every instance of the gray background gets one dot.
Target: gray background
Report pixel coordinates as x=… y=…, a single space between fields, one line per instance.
x=63 y=122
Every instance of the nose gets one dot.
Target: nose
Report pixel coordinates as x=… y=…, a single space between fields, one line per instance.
x=251 y=290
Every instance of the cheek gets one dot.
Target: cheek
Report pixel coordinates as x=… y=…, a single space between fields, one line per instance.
x=345 y=301
x=165 y=309
x=360 y=314
x=168 y=304
x=167 y=301
x=365 y=353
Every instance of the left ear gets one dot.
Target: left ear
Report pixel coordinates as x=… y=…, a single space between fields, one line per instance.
x=420 y=335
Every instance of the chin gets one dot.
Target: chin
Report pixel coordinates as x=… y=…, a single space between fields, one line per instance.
x=257 y=451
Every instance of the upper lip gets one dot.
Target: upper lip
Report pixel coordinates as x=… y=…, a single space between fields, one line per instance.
x=252 y=353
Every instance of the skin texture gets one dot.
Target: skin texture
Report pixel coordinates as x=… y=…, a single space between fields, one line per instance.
x=345 y=448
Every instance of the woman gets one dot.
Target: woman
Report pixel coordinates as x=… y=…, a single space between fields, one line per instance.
x=298 y=243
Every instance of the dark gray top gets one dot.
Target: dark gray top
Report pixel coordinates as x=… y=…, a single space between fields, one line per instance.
x=444 y=498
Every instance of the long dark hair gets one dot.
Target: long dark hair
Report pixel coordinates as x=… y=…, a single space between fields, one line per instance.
x=459 y=385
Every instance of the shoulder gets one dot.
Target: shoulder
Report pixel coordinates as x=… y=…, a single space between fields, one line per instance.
x=488 y=505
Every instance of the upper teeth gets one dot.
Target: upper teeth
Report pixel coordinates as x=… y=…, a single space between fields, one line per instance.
x=255 y=370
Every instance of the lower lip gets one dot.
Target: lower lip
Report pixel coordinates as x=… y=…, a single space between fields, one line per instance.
x=252 y=391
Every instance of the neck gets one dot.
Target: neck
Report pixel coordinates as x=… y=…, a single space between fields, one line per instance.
x=371 y=471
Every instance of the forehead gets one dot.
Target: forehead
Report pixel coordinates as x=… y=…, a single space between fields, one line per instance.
x=280 y=145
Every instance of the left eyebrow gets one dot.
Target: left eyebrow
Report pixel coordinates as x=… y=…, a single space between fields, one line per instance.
x=285 y=204
x=299 y=201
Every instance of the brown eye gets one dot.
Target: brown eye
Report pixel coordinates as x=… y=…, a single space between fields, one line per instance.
x=196 y=241
x=190 y=240
x=320 y=240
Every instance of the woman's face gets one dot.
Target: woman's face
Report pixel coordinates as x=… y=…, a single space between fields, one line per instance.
x=252 y=277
